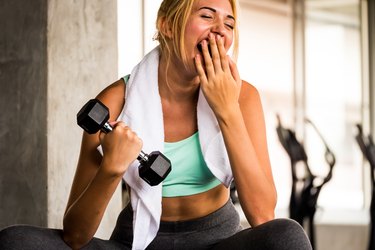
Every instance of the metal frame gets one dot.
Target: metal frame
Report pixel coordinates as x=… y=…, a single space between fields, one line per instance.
x=299 y=69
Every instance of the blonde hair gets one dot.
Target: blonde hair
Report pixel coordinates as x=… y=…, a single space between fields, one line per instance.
x=174 y=14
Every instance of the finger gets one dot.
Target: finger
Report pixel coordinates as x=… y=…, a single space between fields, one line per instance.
x=200 y=69
x=214 y=52
x=234 y=70
x=223 y=54
x=140 y=142
x=119 y=124
x=207 y=59
x=113 y=123
x=126 y=131
x=121 y=127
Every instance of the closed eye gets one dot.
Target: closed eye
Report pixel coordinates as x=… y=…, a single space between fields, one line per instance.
x=230 y=26
x=206 y=16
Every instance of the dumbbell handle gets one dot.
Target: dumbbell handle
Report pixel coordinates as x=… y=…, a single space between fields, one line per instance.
x=142 y=155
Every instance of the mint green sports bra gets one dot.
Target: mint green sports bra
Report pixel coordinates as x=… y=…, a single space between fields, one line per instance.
x=190 y=174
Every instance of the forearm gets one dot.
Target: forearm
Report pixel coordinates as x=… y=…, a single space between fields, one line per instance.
x=83 y=217
x=254 y=184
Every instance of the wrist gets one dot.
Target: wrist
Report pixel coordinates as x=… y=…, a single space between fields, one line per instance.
x=112 y=169
x=231 y=113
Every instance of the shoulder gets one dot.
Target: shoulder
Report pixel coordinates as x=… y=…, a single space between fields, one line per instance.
x=113 y=96
x=249 y=94
x=250 y=103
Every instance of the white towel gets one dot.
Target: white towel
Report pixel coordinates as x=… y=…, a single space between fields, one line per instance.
x=143 y=114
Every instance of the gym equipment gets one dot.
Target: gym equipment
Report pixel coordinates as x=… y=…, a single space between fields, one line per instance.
x=366 y=144
x=233 y=193
x=153 y=168
x=305 y=188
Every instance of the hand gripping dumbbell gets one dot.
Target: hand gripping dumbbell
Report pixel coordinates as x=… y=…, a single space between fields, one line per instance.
x=153 y=168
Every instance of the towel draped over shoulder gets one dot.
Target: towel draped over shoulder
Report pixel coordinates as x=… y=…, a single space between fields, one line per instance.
x=143 y=113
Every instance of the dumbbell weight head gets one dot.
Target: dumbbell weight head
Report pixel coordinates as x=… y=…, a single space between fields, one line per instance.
x=93 y=116
x=155 y=169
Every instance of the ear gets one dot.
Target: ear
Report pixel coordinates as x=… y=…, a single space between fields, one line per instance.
x=165 y=28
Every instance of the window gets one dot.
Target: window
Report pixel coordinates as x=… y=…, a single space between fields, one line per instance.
x=333 y=97
x=330 y=86
x=265 y=60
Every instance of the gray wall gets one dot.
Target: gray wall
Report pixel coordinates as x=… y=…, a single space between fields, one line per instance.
x=54 y=56
x=23 y=119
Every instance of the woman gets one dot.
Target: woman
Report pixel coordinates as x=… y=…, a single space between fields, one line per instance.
x=210 y=124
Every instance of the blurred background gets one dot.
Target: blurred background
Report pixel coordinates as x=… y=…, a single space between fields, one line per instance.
x=309 y=59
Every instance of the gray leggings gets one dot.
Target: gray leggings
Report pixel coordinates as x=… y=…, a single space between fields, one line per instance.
x=219 y=230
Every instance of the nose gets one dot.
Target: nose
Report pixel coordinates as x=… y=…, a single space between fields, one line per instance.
x=218 y=28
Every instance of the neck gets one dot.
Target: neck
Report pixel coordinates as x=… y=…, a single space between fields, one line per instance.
x=175 y=81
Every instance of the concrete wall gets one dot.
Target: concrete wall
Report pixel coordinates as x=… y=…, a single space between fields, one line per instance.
x=23 y=119
x=54 y=56
x=82 y=52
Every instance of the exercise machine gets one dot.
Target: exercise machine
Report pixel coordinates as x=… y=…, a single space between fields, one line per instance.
x=366 y=144
x=306 y=186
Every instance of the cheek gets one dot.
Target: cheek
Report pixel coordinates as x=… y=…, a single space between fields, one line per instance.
x=228 y=42
x=188 y=30
x=193 y=35
x=195 y=28
x=192 y=32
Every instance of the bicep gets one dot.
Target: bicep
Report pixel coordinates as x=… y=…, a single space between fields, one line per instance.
x=113 y=98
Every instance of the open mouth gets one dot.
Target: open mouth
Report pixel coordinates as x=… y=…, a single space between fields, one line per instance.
x=199 y=46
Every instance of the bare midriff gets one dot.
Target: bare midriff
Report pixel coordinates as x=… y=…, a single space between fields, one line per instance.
x=194 y=206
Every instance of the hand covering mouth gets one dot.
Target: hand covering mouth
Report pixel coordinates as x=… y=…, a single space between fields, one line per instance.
x=199 y=46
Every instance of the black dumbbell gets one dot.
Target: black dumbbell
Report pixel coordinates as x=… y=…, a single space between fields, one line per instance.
x=153 y=168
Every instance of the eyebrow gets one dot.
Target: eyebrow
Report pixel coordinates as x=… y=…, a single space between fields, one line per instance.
x=213 y=10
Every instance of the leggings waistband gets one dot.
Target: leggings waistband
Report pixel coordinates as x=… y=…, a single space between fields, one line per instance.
x=222 y=223
x=223 y=214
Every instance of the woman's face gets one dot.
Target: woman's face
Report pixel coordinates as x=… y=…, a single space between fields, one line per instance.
x=208 y=16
